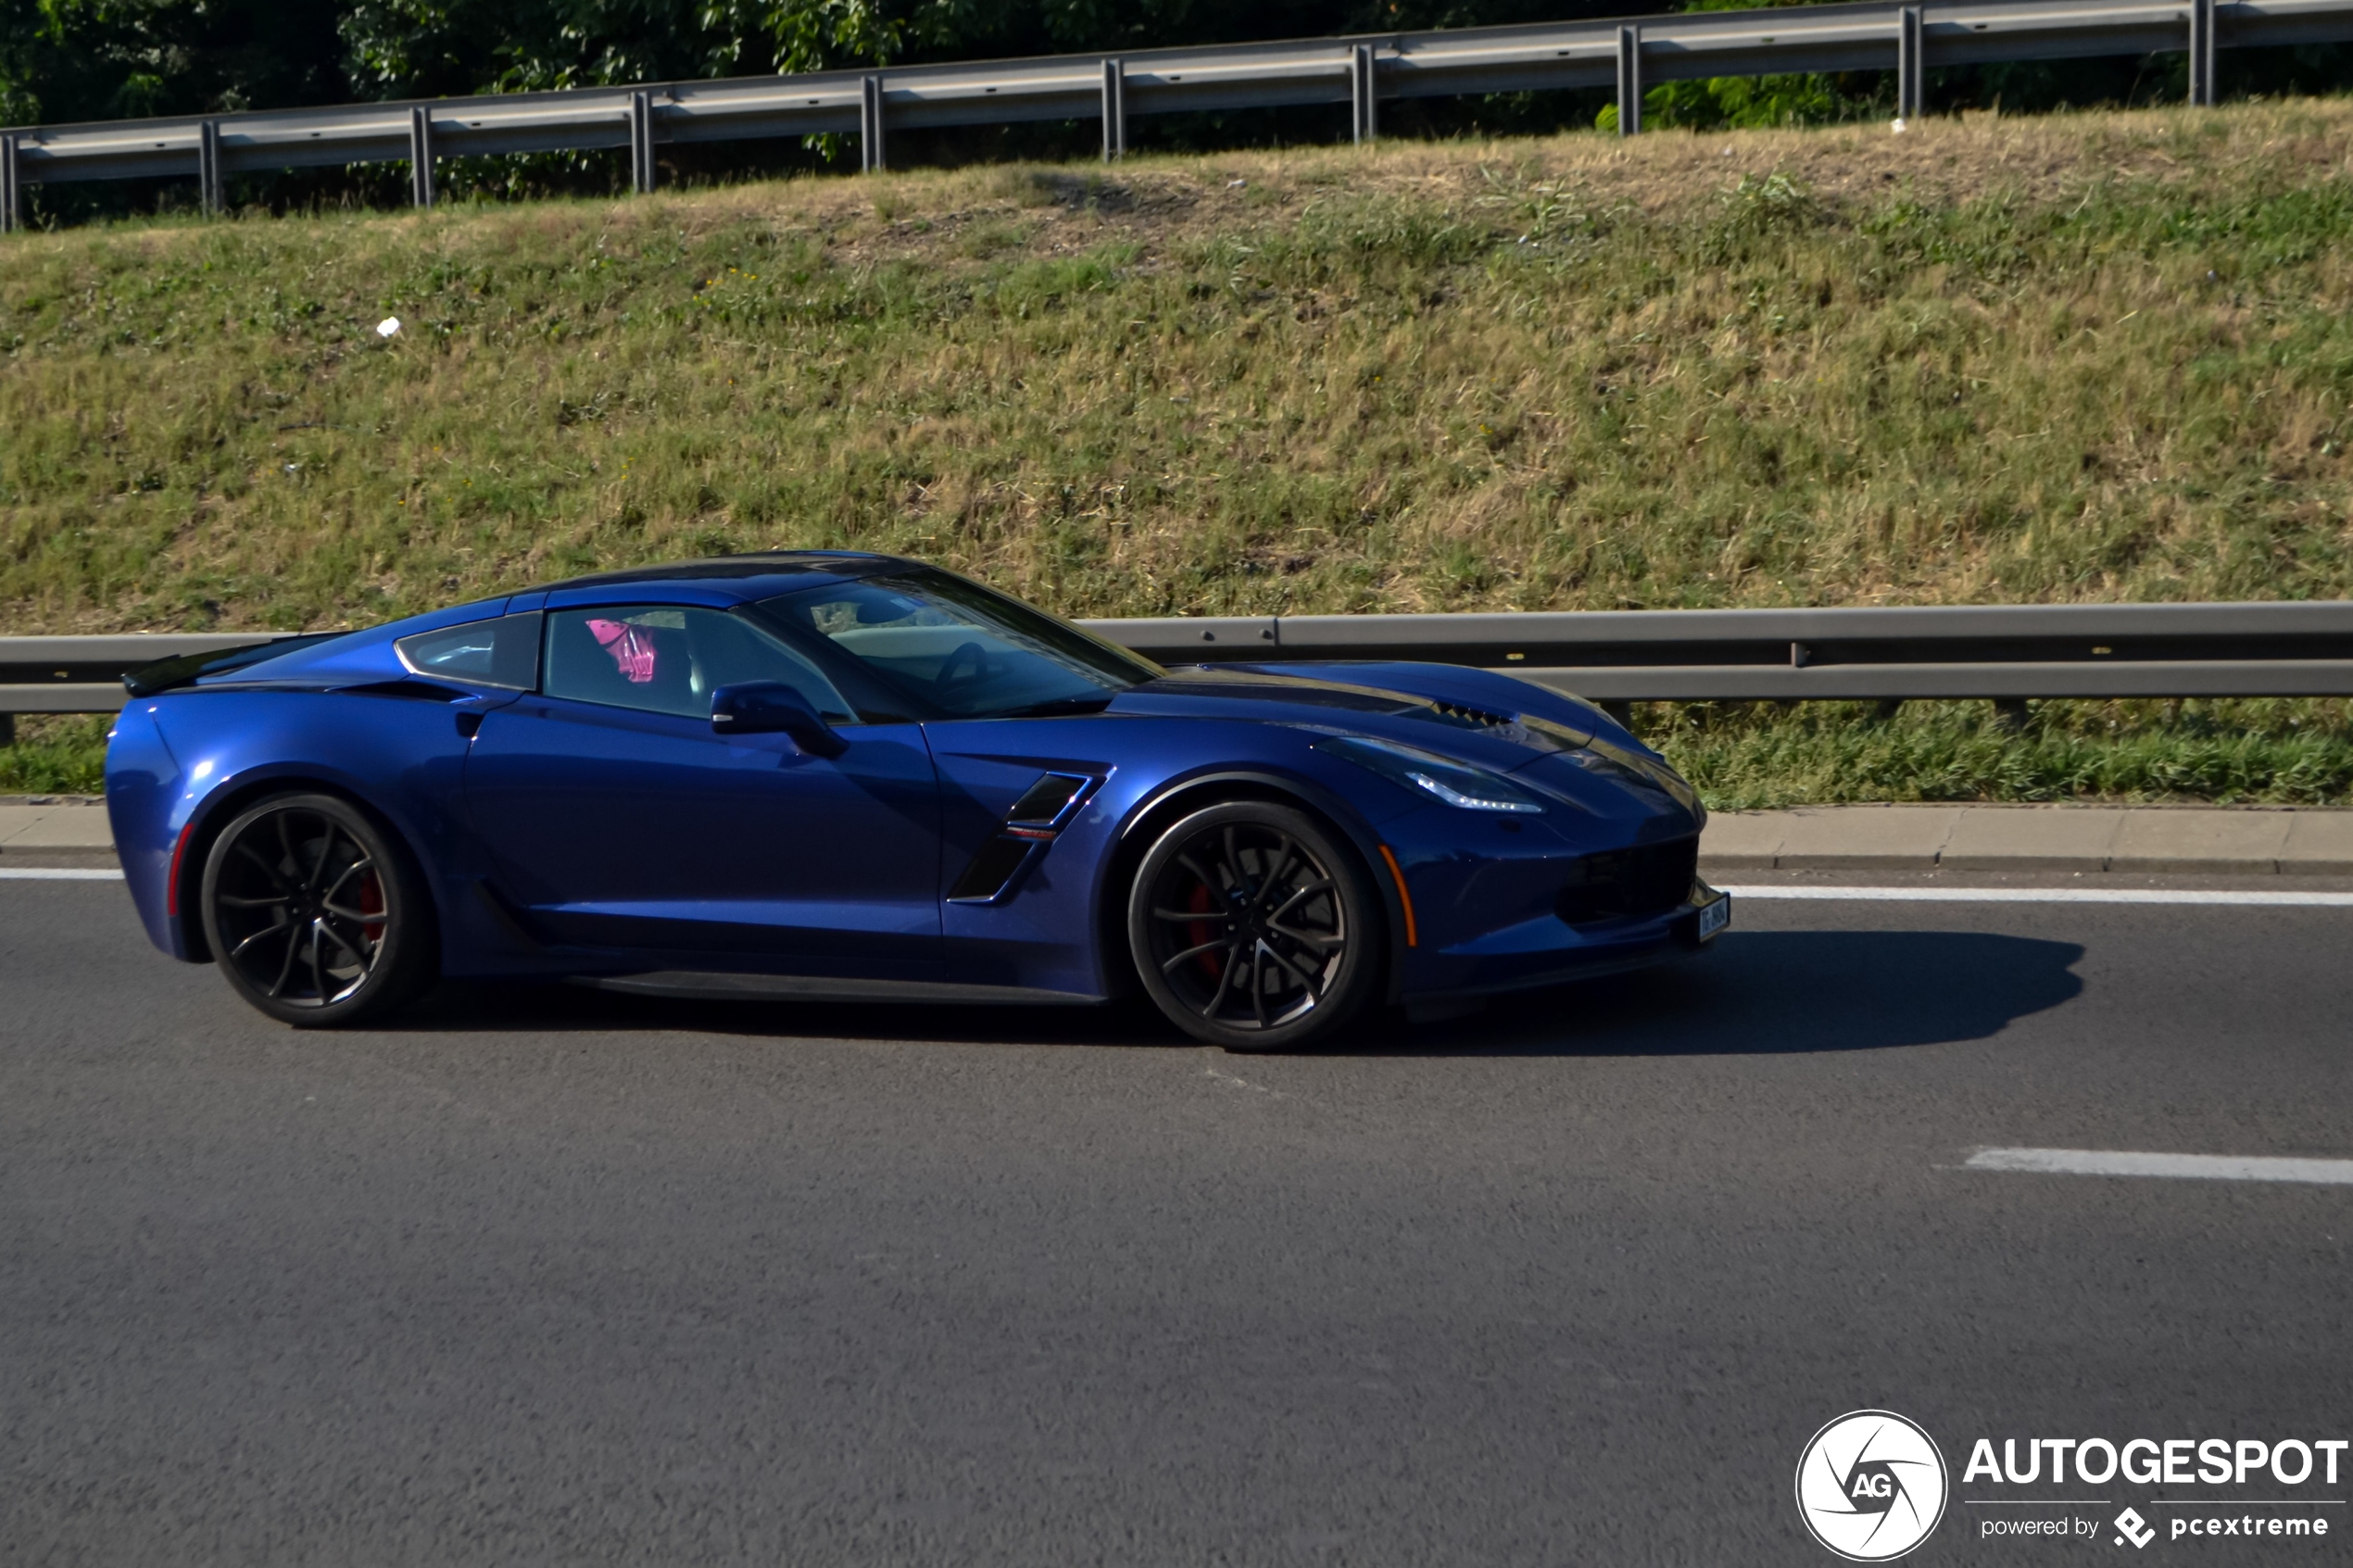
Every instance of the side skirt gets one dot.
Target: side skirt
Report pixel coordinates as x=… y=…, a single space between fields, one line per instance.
x=819 y=988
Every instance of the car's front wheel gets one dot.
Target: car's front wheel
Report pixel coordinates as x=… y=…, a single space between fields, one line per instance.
x=316 y=915
x=1255 y=927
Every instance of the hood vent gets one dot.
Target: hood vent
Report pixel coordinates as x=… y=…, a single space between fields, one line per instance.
x=1472 y=718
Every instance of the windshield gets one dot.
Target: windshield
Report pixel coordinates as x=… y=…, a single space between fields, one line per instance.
x=947 y=648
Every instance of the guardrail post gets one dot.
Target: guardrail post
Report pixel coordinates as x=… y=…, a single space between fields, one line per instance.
x=1911 y=67
x=208 y=179
x=2202 y=53
x=1114 y=111
x=870 y=125
x=11 y=194
x=1630 y=81
x=421 y=157
x=1362 y=86
x=641 y=141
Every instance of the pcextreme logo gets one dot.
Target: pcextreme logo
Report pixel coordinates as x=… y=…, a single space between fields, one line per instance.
x=1872 y=1485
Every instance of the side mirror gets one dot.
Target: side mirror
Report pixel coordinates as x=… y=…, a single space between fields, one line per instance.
x=759 y=707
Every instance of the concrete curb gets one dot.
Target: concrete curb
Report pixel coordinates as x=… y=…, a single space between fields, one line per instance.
x=54 y=830
x=2155 y=839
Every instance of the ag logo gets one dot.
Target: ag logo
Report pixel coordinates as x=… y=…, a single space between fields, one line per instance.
x=1870 y=1486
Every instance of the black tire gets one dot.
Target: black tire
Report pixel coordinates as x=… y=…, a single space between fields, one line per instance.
x=1255 y=927
x=318 y=916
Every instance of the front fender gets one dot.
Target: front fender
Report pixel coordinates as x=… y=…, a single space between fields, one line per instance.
x=1164 y=804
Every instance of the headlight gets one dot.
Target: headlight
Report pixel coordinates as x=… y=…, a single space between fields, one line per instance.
x=1457 y=784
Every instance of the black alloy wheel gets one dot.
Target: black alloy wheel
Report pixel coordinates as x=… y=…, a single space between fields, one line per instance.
x=315 y=914
x=1255 y=927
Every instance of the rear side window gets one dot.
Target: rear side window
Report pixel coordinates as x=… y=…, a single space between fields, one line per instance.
x=500 y=652
x=663 y=659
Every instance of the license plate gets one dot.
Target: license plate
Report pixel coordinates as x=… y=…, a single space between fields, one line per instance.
x=1714 y=918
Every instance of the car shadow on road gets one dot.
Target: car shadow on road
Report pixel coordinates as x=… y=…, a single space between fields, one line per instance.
x=506 y=1007
x=1760 y=992
x=1767 y=992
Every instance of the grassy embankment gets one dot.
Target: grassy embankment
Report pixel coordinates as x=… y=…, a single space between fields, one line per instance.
x=2090 y=358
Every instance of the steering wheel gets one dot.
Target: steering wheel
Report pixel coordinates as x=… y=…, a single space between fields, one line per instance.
x=968 y=663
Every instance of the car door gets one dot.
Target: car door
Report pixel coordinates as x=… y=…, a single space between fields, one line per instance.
x=615 y=817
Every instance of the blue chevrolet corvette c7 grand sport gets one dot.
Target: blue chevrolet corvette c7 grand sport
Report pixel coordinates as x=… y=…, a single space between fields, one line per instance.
x=825 y=775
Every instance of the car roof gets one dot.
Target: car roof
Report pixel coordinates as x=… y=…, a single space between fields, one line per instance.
x=757 y=575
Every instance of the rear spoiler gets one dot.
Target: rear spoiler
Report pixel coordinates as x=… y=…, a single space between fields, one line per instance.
x=185 y=669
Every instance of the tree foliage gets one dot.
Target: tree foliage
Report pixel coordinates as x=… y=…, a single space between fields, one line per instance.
x=63 y=60
x=66 y=60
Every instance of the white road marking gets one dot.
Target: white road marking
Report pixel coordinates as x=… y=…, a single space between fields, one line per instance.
x=2196 y=1167
x=2288 y=896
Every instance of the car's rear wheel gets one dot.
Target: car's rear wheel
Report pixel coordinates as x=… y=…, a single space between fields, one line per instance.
x=1255 y=927
x=316 y=915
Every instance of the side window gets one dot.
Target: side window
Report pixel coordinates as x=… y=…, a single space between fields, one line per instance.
x=500 y=652
x=660 y=659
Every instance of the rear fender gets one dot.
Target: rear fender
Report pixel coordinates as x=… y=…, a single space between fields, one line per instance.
x=199 y=828
x=142 y=789
x=398 y=761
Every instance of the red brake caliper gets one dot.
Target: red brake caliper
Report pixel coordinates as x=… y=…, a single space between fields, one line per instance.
x=1202 y=931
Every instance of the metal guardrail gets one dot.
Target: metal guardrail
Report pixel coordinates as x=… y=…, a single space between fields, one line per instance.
x=84 y=674
x=2006 y=652
x=1360 y=71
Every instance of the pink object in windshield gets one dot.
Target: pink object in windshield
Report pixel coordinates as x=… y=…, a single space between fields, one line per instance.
x=631 y=649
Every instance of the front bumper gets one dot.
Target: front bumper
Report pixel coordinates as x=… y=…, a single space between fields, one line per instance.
x=1549 y=951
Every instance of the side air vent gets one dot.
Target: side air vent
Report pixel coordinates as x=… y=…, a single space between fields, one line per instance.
x=1031 y=824
x=991 y=870
x=413 y=691
x=1046 y=803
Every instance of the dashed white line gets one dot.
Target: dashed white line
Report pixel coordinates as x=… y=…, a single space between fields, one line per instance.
x=2290 y=898
x=2193 y=1167
x=58 y=874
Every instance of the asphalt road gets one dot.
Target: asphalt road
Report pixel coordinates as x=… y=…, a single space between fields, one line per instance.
x=558 y=1277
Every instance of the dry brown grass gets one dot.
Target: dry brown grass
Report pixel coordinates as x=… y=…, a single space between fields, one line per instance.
x=2049 y=160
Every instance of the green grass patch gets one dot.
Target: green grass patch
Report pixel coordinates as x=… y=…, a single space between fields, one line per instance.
x=1751 y=757
x=1745 y=757
x=56 y=754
